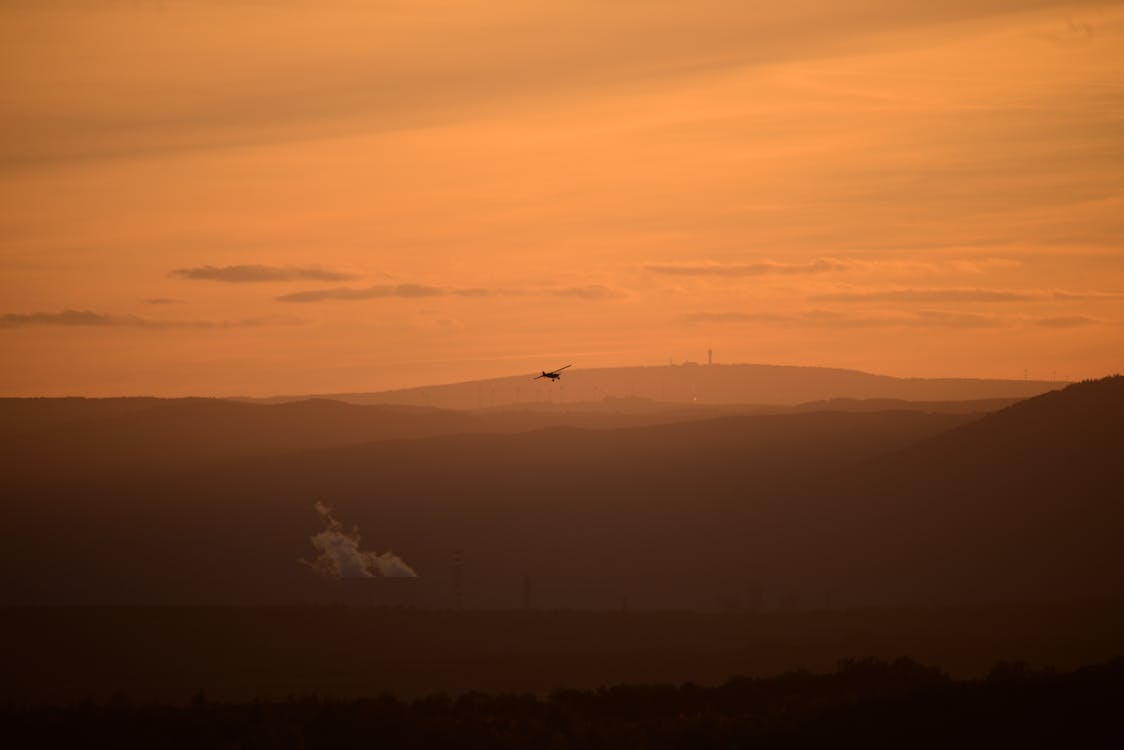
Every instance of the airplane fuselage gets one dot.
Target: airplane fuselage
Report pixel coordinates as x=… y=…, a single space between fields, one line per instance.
x=553 y=374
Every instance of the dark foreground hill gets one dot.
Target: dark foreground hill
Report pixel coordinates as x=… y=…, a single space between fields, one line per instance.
x=1024 y=501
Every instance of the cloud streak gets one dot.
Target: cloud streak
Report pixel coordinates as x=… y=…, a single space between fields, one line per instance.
x=91 y=319
x=761 y=268
x=249 y=274
x=831 y=319
x=962 y=294
x=891 y=266
x=384 y=291
x=1066 y=321
x=239 y=91
x=930 y=295
x=591 y=292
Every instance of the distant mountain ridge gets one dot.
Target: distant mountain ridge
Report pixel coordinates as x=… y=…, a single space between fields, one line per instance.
x=791 y=509
x=699 y=384
x=97 y=437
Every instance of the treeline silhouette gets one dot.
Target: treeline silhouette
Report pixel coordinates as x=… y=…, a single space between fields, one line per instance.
x=866 y=703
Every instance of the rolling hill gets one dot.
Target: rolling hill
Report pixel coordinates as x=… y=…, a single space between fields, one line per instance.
x=788 y=510
x=699 y=384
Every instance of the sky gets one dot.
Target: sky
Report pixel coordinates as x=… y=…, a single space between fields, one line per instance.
x=256 y=198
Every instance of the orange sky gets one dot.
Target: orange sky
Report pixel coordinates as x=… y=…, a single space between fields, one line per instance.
x=295 y=196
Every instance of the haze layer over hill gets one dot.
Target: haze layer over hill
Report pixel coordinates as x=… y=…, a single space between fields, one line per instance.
x=707 y=384
x=133 y=436
x=785 y=510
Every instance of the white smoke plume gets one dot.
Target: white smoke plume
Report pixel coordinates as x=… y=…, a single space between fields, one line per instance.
x=340 y=556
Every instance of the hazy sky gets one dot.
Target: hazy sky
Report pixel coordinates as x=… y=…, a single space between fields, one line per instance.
x=285 y=197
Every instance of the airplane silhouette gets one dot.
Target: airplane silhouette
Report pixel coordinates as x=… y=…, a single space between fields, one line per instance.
x=553 y=374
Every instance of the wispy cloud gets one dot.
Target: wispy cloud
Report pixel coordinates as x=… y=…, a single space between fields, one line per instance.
x=736 y=317
x=89 y=318
x=66 y=318
x=256 y=273
x=884 y=266
x=383 y=291
x=592 y=292
x=984 y=265
x=760 y=268
x=831 y=319
x=954 y=319
x=475 y=57
x=163 y=301
x=961 y=294
x=1061 y=294
x=1066 y=321
x=930 y=295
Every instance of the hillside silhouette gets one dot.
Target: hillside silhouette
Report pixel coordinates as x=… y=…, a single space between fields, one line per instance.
x=863 y=703
x=230 y=532
x=789 y=510
x=1021 y=502
x=150 y=435
x=84 y=439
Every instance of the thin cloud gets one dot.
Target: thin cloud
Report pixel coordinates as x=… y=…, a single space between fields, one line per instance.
x=1066 y=321
x=984 y=265
x=832 y=319
x=372 y=292
x=1075 y=33
x=930 y=295
x=975 y=266
x=592 y=292
x=164 y=301
x=89 y=318
x=246 y=274
x=447 y=70
x=417 y=290
x=961 y=294
x=761 y=268
x=66 y=318
x=735 y=317
x=1062 y=294
x=947 y=319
